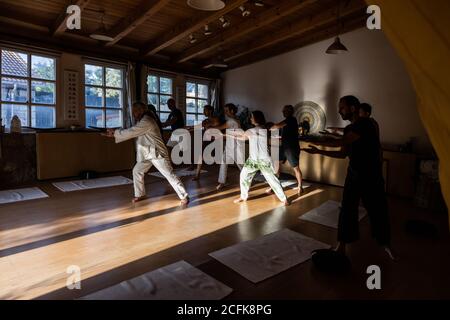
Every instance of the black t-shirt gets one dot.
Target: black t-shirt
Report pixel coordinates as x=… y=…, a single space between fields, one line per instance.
x=289 y=133
x=364 y=153
x=179 y=123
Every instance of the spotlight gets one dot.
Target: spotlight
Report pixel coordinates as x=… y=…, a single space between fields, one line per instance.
x=207 y=31
x=225 y=22
x=245 y=12
x=192 y=39
x=259 y=3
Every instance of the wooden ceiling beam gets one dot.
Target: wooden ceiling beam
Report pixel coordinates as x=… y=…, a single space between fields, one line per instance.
x=300 y=28
x=59 y=25
x=267 y=17
x=184 y=30
x=144 y=11
x=299 y=42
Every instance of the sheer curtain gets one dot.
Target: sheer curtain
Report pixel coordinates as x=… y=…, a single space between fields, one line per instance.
x=130 y=93
x=420 y=32
x=215 y=92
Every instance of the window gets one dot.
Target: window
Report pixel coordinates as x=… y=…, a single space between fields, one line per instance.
x=28 y=89
x=103 y=96
x=160 y=89
x=197 y=96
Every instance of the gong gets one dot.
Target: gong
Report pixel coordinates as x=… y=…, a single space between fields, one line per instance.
x=312 y=113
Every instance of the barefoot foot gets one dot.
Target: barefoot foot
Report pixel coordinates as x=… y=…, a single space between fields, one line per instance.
x=239 y=200
x=184 y=201
x=220 y=186
x=137 y=199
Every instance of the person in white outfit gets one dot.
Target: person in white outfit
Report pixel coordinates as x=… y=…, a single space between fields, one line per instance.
x=151 y=151
x=258 y=160
x=234 y=148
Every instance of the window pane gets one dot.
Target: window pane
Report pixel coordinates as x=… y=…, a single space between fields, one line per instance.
x=203 y=91
x=152 y=83
x=94 y=118
x=191 y=120
x=43 y=92
x=200 y=118
x=93 y=75
x=166 y=85
x=11 y=110
x=114 y=78
x=153 y=99
x=113 y=118
x=163 y=116
x=190 y=105
x=113 y=98
x=43 y=117
x=43 y=68
x=14 y=89
x=190 y=89
x=163 y=103
x=14 y=63
x=201 y=104
x=93 y=97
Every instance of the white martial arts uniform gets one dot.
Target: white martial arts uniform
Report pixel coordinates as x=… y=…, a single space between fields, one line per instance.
x=259 y=160
x=151 y=150
x=232 y=152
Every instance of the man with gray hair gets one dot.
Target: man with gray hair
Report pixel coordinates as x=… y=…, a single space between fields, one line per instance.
x=151 y=151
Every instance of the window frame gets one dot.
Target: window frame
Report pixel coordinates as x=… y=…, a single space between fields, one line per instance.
x=104 y=87
x=159 y=94
x=30 y=79
x=197 y=82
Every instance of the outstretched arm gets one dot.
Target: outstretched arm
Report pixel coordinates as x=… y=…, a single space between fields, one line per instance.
x=139 y=129
x=279 y=125
x=346 y=140
x=341 y=154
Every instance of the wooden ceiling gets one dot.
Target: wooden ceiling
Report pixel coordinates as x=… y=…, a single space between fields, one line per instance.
x=158 y=31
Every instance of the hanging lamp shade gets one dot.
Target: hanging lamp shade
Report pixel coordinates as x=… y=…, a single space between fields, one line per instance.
x=336 y=47
x=217 y=63
x=206 y=5
x=101 y=34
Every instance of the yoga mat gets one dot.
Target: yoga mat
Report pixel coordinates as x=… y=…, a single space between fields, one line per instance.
x=178 y=281
x=68 y=186
x=265 y=257
x=327 y=214
x=16 y=195
x=291 y=183
x=178 y=172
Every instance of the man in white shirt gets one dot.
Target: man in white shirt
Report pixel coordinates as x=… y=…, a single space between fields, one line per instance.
x=151 y=151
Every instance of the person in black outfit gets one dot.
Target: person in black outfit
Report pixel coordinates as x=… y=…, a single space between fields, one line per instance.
x=290 y=147
x=364 y=181
x=175 y=119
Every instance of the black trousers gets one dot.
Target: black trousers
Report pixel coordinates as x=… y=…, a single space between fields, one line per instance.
x=368 y=187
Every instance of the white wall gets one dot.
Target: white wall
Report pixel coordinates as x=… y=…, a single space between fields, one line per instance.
x=372 y=71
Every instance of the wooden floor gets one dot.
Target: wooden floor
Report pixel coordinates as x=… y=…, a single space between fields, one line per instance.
x=112 y=240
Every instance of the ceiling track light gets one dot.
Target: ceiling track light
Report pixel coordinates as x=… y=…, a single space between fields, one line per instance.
x=225 y=22
x=259 y=3
x=207 y=32
x=244 y=12
x=192 y=39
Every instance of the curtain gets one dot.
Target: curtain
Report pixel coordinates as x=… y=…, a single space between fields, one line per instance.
x=144 y=71
x=420 y=32
x=130 y=93
x=215 y=92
